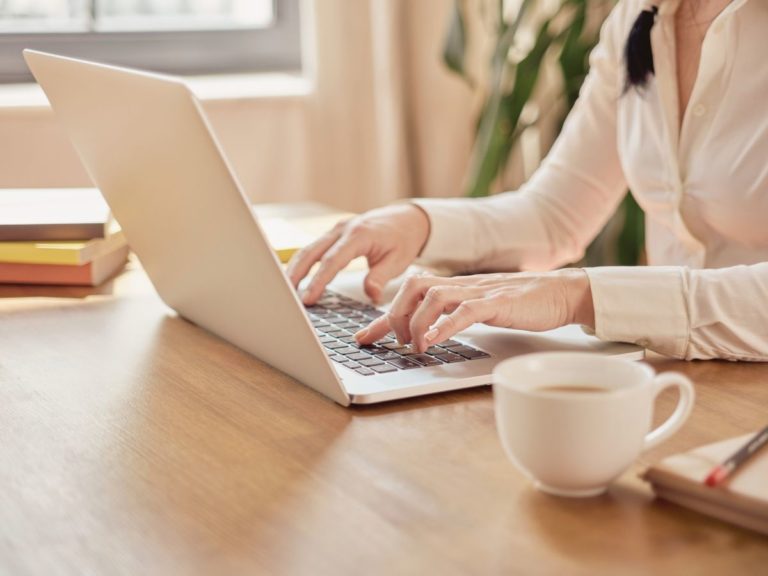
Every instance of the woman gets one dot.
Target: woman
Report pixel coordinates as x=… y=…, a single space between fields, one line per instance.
x=684 y=126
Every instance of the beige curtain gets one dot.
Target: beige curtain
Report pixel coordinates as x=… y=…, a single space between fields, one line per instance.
x=387 y=120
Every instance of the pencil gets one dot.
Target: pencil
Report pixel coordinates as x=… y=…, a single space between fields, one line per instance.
x=722 y=471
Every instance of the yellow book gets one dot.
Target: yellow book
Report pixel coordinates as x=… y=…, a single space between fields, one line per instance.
x=287 y=236
x=75 y=252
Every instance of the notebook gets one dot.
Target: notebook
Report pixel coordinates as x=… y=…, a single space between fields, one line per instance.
x=32 y=214
x=742 y=499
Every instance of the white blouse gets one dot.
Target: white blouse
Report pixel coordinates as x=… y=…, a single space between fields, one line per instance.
x=703 y=186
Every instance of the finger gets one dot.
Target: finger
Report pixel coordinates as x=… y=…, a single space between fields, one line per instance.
x=467 y=313
x=437 y=301
x=334 y=260
x=380 y=273
x=376 y=330
x=406 y=301
x=301 y=262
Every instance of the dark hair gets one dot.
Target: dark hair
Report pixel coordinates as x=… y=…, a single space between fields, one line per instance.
x=638 y=54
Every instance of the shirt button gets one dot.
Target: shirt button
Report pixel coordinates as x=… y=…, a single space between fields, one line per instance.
x=699 y=110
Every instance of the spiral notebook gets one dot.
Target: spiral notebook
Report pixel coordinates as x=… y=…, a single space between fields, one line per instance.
x=742 y=499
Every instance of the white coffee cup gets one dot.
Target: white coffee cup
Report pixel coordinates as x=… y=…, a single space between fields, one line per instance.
x=574 y=442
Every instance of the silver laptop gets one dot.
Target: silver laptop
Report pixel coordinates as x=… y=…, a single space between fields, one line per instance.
x=147 y=144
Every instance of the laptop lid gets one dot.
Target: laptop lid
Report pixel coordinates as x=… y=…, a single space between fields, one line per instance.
x=146 y=143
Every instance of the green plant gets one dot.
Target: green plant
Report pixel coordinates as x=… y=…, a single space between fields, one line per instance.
x=514 y=72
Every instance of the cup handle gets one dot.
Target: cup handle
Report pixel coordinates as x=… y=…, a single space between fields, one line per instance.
x=682 y=411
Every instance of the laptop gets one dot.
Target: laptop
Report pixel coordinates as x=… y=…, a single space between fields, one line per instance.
x=146 y=143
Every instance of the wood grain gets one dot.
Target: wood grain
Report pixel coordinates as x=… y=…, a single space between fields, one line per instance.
x=132 y=442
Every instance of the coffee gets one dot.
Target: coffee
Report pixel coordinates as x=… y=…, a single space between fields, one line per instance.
x=573 y=389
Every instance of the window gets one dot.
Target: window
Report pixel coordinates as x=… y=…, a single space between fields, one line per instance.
x=176 y=36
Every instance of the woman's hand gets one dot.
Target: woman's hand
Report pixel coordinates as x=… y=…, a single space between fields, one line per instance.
x=429 y=309
x=390 y=238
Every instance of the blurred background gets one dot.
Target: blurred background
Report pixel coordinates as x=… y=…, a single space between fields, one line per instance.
x=354 y=103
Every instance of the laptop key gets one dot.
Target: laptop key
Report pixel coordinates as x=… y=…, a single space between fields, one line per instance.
x=375 y=350
x=364 y=371
x=346 y=351
x=373 y=313
x=335 y=344
x=327 y=340
x=358 y=356
x=372 y=362
x=316 y=312
x=448 y=357
x=407 y=350
x=469 y=353
x=434 y=350
x=384 y=368
x=403 y=363
x=425 y=359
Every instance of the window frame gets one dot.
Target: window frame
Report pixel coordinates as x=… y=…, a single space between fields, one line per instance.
x=182 y=52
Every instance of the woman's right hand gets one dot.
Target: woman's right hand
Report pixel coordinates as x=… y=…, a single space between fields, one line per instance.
x=390 y=238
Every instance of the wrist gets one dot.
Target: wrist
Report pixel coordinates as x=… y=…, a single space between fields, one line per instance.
x=578 y=294
x=422 y=225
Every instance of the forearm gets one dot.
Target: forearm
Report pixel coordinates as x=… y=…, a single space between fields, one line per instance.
x=691 y=314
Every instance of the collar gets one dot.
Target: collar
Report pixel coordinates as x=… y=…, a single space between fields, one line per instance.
x=669 y=7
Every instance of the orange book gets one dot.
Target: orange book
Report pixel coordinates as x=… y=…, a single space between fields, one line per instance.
x=92 y=273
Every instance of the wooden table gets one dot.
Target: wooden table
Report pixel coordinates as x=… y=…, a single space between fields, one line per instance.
x=132 y=442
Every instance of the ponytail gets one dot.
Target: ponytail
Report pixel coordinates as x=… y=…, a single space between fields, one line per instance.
x=638 y=54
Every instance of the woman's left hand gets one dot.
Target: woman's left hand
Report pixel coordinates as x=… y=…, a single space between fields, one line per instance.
x=430 y=309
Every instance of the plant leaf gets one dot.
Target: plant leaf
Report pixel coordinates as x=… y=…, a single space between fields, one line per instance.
x=455 y=47
x=501 y=116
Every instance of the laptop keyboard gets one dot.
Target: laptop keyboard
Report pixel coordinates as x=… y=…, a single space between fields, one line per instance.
x=336 y=318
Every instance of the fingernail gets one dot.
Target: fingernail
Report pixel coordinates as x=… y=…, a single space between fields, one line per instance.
x=431 y=335
x=361 y=334
x=306 y=299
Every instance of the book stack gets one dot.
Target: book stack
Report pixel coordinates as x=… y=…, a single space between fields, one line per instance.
x=60 y=236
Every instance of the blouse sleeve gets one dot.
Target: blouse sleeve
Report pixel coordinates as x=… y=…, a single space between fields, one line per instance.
x=691 y=314
x=553 y=217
